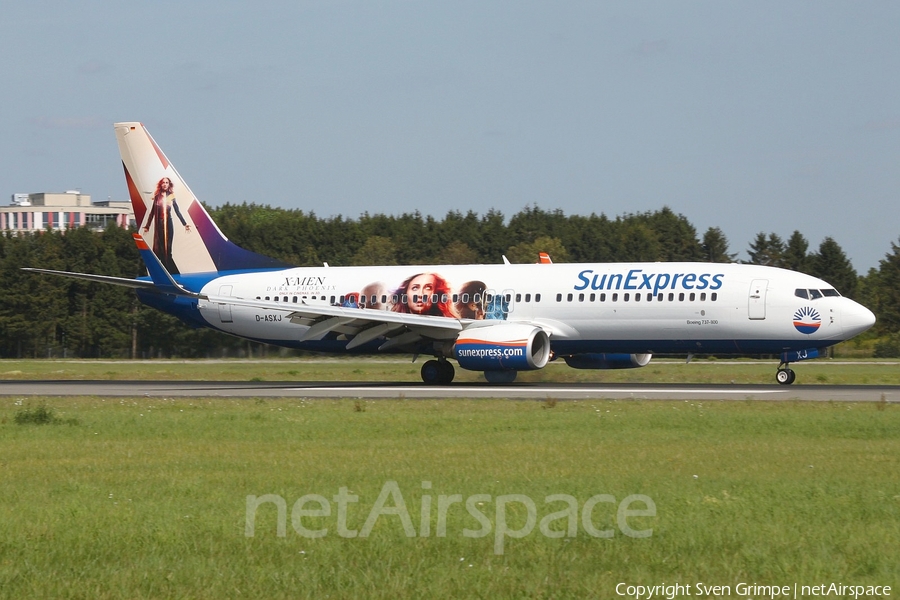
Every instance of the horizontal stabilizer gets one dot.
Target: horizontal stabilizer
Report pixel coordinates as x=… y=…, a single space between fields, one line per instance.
x=131 y=283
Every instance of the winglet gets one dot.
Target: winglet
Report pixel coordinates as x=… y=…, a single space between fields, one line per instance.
x=162 y=279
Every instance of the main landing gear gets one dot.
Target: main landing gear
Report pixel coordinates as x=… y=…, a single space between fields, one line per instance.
x=437 y=372
x=785 y=375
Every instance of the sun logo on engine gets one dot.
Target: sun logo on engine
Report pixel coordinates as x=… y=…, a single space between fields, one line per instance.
x=807 y=320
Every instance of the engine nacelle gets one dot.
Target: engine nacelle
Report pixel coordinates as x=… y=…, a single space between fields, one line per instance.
x=503 y=347
x=607 y=361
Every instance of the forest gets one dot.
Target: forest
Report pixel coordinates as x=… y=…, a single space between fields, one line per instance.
x=42 y=316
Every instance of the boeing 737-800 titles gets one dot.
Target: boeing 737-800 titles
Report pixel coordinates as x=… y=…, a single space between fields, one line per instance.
x=498 y=319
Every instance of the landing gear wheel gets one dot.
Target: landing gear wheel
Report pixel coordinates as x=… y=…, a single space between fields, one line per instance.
x=447 y=372
x=785 y=376
x=437 y=372
x=500 y=376
x=431 y=372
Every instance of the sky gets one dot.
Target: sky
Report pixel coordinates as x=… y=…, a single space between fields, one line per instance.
x=747 y=116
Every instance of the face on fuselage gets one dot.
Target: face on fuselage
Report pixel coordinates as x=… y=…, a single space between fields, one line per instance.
x=419 y=292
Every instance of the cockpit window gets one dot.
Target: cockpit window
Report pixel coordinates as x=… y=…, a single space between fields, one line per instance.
x=831 y=292
x=814 y=294
x=801 y=293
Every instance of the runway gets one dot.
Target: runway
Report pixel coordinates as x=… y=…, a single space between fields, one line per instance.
x=406 y=390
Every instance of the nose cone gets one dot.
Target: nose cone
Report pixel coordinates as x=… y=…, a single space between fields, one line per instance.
x=857 y=318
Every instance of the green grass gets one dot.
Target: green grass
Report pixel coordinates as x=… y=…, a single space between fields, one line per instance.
x=822 y=371
x=131 y=498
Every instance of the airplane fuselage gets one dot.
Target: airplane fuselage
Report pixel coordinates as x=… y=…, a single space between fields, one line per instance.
x=603 y=307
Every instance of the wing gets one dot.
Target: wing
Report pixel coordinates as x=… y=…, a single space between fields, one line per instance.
x=362 y=324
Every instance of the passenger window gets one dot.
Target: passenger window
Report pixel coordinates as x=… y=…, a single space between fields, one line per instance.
x=660 y=297
x=267 y=298
x=434 y=298
x=395 y=298
x=714 y=296
x=649 y=296
x=383 y=298
x=443 y=298
x=681 y=297
x=581 y=297
x=295 y=299
x=801 y=294
x=559 y=297
x=702 y=296
x=602 y=297
x=593 y=297
x=569 y=297
x=455 y=298
x=508 y=297
x=637 y=297
x=527 y=297
x=332 y=299
x=518 y=297
x=537 y=297
x=615 y=297
x=465 y=298
x=693 y=296
x=671 y=297
x=404 y=298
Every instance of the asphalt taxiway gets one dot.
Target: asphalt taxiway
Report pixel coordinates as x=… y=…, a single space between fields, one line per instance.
x=407 y=390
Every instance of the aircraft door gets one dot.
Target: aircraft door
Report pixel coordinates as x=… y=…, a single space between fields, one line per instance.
x=757 y=300
x=225 y=309
x=496 y=306
x=509 y=296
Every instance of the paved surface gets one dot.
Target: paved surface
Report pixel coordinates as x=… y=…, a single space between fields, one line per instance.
x=522 y=391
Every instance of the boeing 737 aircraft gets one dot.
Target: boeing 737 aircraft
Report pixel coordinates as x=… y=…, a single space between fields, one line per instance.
x=498 y=319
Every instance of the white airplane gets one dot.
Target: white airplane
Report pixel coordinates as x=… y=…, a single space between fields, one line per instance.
x=498 y=319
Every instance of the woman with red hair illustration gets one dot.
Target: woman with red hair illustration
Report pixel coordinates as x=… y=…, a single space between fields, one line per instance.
x=161 y=211
x=425 y=294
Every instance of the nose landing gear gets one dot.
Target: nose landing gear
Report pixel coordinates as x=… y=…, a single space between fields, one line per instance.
x=785 y=375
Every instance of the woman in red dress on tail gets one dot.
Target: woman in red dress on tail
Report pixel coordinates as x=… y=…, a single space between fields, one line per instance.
x=163 y=203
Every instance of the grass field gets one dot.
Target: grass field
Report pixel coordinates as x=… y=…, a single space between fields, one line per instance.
x=147 y=498
x=821 y=371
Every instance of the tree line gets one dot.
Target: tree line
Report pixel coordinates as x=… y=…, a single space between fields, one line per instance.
x=46 y=316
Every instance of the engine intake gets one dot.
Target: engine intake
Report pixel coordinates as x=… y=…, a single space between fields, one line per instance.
x=503 y=347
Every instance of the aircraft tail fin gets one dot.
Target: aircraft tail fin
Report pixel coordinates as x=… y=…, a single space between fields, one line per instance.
x=179 y=231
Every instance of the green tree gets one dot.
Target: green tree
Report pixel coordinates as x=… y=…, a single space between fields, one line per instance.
x=796 y=256
x=456 y=253
x=831 y=264
x=528 y=252
x=377 y=250
x=715 y=247
x=766 y=251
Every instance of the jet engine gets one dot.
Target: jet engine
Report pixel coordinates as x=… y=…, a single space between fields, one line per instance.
x=503 y=347
x=597 y=360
